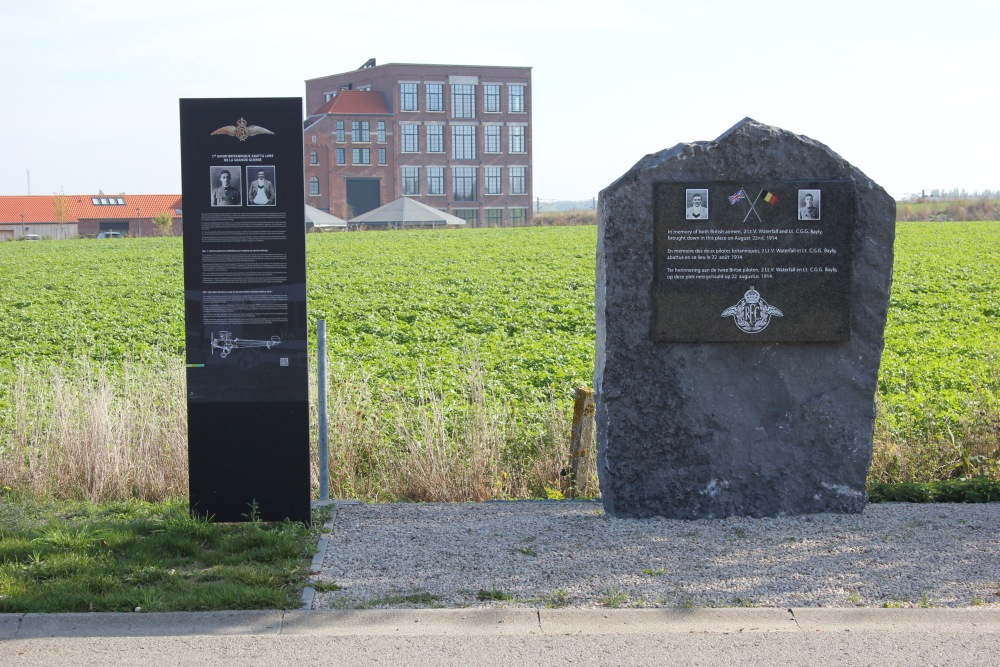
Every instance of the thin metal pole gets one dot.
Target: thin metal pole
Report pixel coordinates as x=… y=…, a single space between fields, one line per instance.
x=324 y=452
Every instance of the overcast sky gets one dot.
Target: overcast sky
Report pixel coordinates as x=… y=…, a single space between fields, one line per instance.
x=905 y=91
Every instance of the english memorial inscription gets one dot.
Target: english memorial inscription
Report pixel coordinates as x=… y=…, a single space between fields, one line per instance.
x=742 y=291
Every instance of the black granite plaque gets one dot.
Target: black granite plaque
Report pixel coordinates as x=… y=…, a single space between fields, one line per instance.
x=756 y=261
x=245 y=303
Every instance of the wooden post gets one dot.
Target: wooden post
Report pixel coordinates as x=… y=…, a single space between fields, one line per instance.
x=581 y=447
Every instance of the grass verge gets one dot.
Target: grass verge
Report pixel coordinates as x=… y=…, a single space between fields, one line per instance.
x=67 y=556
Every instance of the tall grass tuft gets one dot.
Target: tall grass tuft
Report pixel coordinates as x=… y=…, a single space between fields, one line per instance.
x=903 y=454
x=88 y=432
x=94 y=432
x=101 y=433
x=423 y=446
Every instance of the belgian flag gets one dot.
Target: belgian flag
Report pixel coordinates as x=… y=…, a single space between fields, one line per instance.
x=770 y=198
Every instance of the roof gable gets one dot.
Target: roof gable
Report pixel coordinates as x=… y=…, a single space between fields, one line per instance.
x=355 y=102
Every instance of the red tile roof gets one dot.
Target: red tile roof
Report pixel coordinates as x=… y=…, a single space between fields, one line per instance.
x=355 y=102
x=40 y=208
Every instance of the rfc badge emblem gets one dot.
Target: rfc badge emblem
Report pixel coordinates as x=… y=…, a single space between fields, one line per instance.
x=752 y=314
x=242 y=130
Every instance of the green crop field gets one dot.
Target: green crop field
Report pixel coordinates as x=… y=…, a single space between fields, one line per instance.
x=417 y=309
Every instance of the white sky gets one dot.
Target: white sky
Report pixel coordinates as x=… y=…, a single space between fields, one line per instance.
x=905 y=91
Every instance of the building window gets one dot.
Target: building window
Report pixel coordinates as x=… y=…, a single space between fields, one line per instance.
x=491 y=98
x=463 y=100
x=435 y=180
x=361 y=156
x=340 y=131
x=464 y=185
x=381 y=131
x=435 y=139
x=340 y=156
x=313 y=138
x=313 y=186
x=493 y=180
x=410 y=141
x=313 y=157
x=470 y=215
x=435 y=97
x=515 y=99
x=381 y=156
x=494 y=217
x=360 y=131
x=411 y=180
x=518 y=216
x=492 y=138
x=516 y=138
x=407 y=97
x=518 y=183
x=463 y=142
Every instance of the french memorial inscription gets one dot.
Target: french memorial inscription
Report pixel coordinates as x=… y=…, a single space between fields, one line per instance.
x=245 y=307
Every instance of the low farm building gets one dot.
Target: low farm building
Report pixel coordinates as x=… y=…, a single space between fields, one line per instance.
x=67 y=216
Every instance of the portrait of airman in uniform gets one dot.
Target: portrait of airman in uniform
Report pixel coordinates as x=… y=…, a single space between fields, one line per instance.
x=226 y=189
x=809 y=204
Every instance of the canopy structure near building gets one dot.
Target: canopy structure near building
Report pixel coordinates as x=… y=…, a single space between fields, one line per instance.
x=323 y=222
x=406 y=212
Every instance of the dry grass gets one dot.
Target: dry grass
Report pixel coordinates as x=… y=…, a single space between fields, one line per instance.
x=88 y=433
x=429 y=449
x=565 y=218
x=83 y=433
x=974 y=451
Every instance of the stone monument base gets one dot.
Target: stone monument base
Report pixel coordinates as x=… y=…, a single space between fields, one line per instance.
x=741 y=303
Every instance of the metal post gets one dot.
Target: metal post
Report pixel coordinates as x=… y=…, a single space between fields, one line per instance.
x=324 y=452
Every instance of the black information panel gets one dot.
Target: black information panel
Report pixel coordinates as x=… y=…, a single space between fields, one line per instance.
x=245 y=306
x=752 y=261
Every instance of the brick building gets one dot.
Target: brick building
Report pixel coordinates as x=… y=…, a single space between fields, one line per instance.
x=455 y=137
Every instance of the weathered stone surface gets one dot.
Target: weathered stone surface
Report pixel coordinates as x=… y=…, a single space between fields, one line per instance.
x=757 y=428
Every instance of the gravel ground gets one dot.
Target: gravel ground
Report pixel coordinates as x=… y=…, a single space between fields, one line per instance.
x=570 y=554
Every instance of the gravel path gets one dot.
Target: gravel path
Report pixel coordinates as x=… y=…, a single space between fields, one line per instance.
x=570 y=554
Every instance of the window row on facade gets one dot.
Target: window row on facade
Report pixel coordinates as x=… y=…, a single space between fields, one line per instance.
x=463 y=98
x=361 y=132
x=464 y=181
x=464 y=139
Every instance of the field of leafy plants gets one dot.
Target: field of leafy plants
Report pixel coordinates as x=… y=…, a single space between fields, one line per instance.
x=420 y=308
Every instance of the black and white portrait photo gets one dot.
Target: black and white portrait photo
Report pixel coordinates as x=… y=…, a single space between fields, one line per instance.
x=696 y=202
x=226 y=190
x=809 y=204
x=260 y=191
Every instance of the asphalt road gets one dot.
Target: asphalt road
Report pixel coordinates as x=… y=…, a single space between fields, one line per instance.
x=485 y=637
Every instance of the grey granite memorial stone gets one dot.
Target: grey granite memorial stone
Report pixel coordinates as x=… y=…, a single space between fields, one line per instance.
x=742 y=289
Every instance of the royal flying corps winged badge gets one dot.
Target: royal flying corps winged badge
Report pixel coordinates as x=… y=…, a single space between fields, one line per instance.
x=242 y=130
x=752 y=313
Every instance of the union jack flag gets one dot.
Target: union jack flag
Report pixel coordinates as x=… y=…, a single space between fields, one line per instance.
x=739 y=196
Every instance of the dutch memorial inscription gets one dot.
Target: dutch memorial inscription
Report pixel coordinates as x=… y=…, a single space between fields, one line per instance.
x=742 y=290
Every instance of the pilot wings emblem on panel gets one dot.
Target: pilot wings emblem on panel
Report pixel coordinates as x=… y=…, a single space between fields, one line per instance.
x=242 y=130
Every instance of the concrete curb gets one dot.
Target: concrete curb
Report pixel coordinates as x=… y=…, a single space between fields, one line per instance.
x=309 y=592
x=500 y=622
